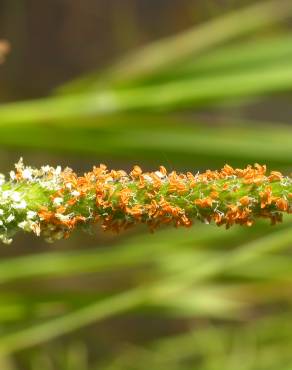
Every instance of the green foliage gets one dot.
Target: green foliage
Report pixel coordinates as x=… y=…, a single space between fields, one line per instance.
x=201 y=298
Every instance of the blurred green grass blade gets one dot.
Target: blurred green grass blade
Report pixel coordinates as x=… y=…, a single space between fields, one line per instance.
x=36 y=304
x=81 y=262
x=274 y=267
x=271 y=267
x=173 y=50
x=139 y=250
x=16 y=307
x=169 y=96
x=252 y=251
x=263 y=344
x=270 y=335
x=162 y=248
x=44 y=331
x=204 y=91
x=264 y=51
x=235 y=58
x=167 y=290
x=205 y=301
x=191 y=146
x=11 y=312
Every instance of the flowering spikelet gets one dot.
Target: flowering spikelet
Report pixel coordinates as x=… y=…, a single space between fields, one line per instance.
x=53 y=202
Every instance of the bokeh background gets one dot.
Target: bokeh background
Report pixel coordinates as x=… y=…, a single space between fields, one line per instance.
x=184 y=83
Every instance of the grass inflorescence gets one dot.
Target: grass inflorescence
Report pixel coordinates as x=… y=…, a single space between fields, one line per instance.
x=52 y=202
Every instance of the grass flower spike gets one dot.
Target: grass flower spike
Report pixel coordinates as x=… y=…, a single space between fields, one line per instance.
x=52 y=202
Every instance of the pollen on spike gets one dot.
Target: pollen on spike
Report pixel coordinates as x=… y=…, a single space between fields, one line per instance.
x=136 y=172
x=53 y=203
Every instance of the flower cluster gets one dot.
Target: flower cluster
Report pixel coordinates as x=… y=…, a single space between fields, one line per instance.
x=53 y=202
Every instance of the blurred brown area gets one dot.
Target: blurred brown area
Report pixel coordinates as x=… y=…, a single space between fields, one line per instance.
x=4 y=50
x=54 y=41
